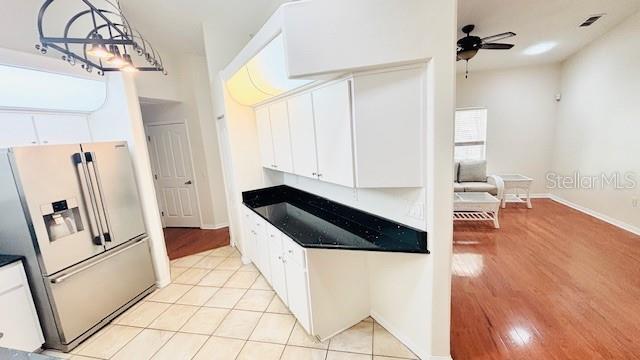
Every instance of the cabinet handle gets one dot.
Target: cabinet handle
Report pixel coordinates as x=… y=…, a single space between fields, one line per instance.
x=279 y=257
x=33 y=142
x=290 y=251
x=1 y=335
x=271 y=236
x=314 y=174
x=319 y=175
x=284 y=261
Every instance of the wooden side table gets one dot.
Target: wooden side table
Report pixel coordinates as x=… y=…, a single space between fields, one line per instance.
x=516 y=182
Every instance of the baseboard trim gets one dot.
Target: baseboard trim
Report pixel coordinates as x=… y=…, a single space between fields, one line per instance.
x=621 y=224
x=421 y=353
x=540 y=196
x=213 y=227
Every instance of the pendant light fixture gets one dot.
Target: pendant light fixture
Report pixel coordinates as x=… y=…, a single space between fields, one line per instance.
x=98 y=36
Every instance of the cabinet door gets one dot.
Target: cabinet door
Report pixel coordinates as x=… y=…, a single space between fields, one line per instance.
x=19 y=324
x=262 y=249
x=303 y=136
x=297 y=293
x=276 y=257
x=16 y=129
x=332 y=112
x=62 y=128
x=265 y=139
x=281 y=137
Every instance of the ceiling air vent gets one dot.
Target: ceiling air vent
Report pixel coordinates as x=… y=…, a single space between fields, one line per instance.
x=591 y=20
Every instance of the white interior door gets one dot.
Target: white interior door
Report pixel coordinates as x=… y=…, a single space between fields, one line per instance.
x=170 y=154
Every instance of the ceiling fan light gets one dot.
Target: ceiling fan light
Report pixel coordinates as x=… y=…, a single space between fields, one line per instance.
x=467 y=54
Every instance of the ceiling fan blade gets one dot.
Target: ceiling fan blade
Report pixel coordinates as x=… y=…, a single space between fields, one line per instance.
x=496 y=46
x=498 y=37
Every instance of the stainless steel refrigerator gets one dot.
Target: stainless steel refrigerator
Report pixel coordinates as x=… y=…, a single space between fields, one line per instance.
x=74 y=212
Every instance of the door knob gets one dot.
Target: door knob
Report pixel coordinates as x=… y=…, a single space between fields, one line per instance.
x=188 y=182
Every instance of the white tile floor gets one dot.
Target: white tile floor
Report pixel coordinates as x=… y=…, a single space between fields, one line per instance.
x=218 y=309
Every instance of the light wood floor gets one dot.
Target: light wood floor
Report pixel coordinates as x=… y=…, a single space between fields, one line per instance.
x=182 y=242
x=552 y=283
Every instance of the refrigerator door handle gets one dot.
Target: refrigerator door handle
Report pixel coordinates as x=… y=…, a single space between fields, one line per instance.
x=87 y=197
x=95 y=182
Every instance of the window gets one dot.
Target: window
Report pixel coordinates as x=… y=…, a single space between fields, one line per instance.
x=23 y=88
x=471 y=134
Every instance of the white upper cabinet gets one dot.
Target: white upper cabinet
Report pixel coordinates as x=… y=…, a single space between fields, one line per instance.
x=22 y=128
x=332 y=111
x=16 y=129
x=303 y=136
x=280 y=135
x=365 y=131
x=62 y=128
x=263 y=123
x=388 y=128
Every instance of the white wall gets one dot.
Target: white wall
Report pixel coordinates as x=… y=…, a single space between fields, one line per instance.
x=184 y=96
x=521 y=117
x=120 y=119
x=599 y=121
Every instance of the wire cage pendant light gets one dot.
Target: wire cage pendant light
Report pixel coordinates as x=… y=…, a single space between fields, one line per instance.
x=99 y=38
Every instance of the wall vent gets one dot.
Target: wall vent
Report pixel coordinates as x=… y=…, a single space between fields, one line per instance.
x=591 y=20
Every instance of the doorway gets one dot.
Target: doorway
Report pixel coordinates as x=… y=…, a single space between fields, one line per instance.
x=172 y=167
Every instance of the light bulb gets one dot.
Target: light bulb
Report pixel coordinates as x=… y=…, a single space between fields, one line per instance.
x=99 y=50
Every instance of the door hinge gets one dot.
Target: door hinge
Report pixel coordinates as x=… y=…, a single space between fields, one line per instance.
x=162 y=213
x=155 y=176
x=148 y=138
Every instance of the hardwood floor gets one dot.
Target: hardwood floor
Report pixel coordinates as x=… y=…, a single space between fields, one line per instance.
x=552 y=283
x=188 y=241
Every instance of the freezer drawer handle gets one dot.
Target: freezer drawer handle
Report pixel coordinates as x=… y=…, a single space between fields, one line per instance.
x=87 y=196
x=64 y=277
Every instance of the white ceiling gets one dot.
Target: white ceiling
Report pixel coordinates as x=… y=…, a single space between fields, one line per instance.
x=537 y=21
x=177 y=25
x=171 y=25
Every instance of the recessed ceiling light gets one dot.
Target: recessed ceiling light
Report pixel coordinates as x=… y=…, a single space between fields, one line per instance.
x=540 y=48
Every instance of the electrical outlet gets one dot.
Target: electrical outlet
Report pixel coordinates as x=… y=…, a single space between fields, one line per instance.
x=417 y=211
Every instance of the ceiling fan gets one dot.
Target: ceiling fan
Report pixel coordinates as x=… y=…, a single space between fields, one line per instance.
x=469 y=45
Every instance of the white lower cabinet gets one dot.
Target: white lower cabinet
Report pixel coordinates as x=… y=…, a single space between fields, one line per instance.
x=19 y=324
x=277 y=262
x=262 y=248
x=298 y=291
x=325 y=289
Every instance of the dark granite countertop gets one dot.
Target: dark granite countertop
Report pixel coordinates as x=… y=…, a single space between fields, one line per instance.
x=315 y=222
x=8 y=259
x=9 y=354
